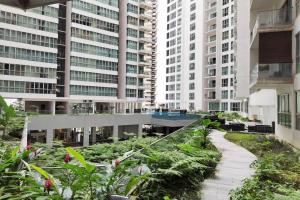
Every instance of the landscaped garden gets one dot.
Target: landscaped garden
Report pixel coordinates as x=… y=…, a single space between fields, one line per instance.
x=174 y=167
x=277 y=170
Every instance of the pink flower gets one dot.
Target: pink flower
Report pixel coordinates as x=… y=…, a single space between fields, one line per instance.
x=68 y=158
x=117 y=163
x=48 y=184
x=29 y=147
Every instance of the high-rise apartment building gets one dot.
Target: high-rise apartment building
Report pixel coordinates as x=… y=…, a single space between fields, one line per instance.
x=220 y=34
x=274 y=60
x=184 y=55
x=91 y=53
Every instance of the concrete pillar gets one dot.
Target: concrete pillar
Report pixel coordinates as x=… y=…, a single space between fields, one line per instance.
x=122 y=49
x=116 y=133
x=86 y=138
x=93 y=133
x=68 y=49
x=140 y=130
x=49 y=137
x=52 y=107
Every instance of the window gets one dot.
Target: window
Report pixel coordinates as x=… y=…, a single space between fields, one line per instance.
x=225 y=2
x=225 y=47
x=298 y=53
x=225 y=59
x=192 y=86
x=224 y=106
x=235 y=106
x=224 y=70
x=213 y=106
x=225 y=23
x=225 y=82
x=225 y=35
x=191 y=96
x=224 y=94
x=284 y=115
x=225 y=11
x=298 y=110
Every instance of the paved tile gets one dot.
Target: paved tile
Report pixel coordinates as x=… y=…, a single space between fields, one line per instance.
x=233 y=168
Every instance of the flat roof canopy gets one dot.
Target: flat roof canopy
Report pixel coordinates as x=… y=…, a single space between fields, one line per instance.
x=27 y=4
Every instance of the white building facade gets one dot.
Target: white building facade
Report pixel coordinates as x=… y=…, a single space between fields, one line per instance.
x=94 y=54
x=274 y=61
x=220 y=55
x=184 y=55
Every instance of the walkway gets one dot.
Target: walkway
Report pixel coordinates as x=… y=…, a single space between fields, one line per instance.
x=233 y=168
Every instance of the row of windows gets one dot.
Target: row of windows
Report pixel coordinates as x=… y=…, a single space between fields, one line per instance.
x=88 y=21
x=132 y=8
x=215 y=106
x=92 y=91
x=95 y=50
x=45 y=10
x=98 y=10
x=94 y=77
x=26 y=54
x=134 y=93
x=114 y=3
x=28 y=38
x=26 y=87
x=92 y=63
x=26 y=70
x=29 y=22
x=93 y=36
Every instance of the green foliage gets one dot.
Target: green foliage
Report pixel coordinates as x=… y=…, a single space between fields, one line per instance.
x=277 y=171
x=231 y=116
x=6 y=113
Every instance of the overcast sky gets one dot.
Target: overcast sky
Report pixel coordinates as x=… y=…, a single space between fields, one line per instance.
x=161 y=50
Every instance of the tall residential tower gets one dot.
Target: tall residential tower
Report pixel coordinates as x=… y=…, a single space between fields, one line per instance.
x=92 y=53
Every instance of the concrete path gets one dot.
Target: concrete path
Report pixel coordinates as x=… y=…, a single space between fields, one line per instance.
x=233 y=168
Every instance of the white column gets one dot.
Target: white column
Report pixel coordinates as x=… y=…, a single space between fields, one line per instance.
x=140 y=130
x=86 y=139
x=122 y=49
x=116 y=133
x=68 y=49
x=49 y=137
x=52 y=107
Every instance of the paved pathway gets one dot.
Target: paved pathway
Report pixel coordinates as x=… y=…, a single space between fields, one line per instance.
x=233 y=168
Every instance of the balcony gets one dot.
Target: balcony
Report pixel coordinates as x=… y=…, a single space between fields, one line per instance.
x=271 y=76
x=272 y=21
x=145 y=4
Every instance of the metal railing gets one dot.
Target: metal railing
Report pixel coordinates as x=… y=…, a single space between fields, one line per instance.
x=271 y=18
x=271 y=72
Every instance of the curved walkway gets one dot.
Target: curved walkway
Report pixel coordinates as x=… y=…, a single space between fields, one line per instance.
x=233 y=168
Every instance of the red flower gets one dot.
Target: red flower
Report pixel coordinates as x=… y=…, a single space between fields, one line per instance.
x=68 y=158
x=48 y=184
x=29 y=147
x=117 y=163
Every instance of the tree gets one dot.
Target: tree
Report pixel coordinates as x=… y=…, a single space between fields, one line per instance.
x=6 y=113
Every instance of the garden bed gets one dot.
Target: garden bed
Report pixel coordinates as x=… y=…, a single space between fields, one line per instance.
x=172 y=168
x=277 y=170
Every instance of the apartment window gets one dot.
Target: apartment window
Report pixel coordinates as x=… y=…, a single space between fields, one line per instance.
x=192 y=46
x=191 y=96
x=225 y=23
x=284 y=115
x=224 y=70
x=225 y=35
x=224 y=106
x=225 y=2
x=192 y=27
x=192 y=86
x=298 y=52
x=224 y=94
x=191 y=106
x=192 y=76
x=225 y=82
x=213 y=106
x=225 y=11
x=192 y=37
x=298 y=110
x=225 y=47
x=235 y=106
x=192 y=66
x=224 y=59
x=193 y=16
x=193 y=6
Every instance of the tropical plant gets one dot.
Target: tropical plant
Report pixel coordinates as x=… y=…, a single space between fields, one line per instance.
x=6 y=113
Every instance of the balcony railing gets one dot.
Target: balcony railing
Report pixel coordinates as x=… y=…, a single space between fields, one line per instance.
x=279 y=73
x=284 y=119
x=271 y=19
